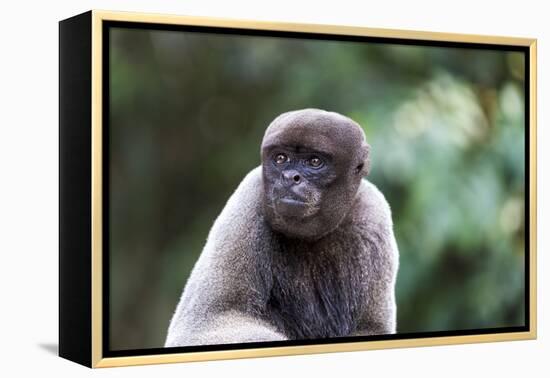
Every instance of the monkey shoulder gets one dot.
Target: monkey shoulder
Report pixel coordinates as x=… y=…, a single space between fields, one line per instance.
x=371 y=208
x=240 y=217
x=237 y=240
x=233 y=250
x=372 y=220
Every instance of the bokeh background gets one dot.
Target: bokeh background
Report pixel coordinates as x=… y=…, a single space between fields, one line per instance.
x=446 y=125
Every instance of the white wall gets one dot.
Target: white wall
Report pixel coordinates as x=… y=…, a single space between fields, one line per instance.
x=28 y=197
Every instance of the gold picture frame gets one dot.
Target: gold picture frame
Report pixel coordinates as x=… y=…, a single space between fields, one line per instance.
x=81 y=232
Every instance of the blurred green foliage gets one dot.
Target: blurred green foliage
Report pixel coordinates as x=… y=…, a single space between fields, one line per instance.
x=446 y=126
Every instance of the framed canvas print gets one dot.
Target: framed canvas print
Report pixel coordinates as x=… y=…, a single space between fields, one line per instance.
x=235 y=189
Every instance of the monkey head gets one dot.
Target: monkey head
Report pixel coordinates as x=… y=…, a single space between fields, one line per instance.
x=312 y=165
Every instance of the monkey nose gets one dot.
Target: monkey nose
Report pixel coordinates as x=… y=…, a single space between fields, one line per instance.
x=292 y=176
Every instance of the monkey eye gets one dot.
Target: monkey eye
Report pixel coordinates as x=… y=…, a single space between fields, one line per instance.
x=281 y=158
x=315 y=162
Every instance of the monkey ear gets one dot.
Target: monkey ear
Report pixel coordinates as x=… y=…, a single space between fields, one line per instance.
x=363 y=168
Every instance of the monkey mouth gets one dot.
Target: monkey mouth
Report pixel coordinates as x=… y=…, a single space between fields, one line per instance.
x=291 y=207
x=290 y=201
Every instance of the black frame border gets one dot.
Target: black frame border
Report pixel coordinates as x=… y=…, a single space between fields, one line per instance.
x=75 y=197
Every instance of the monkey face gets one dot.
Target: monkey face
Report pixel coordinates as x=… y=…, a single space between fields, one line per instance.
x=312 y=162
x=295 y=179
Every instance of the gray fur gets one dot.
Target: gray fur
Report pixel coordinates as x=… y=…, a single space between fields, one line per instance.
x=253 y=284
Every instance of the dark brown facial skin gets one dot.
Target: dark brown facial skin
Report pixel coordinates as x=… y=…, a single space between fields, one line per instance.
x=312 y=165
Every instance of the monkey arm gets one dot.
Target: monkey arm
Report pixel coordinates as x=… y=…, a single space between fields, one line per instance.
x=224 y=297
x=379 y=316
x=228 y=327
x=220 y=308
x=382 y=261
